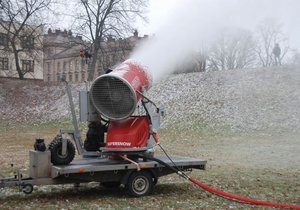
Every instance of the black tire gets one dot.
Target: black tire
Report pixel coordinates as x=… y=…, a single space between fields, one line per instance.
x=110 y=185
x=27 y=188
x=55 y=148
x=140 y=183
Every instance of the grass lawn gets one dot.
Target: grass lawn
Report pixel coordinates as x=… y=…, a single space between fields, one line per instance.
x=264 y=167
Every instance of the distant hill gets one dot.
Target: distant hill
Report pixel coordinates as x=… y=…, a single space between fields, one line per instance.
x=251 y=99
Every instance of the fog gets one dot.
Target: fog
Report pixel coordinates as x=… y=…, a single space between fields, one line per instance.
x=193 y=24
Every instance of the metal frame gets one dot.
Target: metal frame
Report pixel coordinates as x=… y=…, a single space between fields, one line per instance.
x=154 y=113
x=92 y=165
x=101 y=170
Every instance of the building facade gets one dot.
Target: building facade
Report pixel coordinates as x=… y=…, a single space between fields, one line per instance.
x=25 y=46
x=62 y=55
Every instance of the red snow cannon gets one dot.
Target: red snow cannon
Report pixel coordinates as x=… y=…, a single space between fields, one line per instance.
x=115 y=95
x=132 y=132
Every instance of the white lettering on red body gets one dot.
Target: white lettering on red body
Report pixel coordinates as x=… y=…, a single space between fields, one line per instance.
x=127 y=144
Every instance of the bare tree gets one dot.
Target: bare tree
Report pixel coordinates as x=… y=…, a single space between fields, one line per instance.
x=296 y=58
x=20 y=24
x=107 y=18
x=269 y=32
x=233 y=49
x=196 y=62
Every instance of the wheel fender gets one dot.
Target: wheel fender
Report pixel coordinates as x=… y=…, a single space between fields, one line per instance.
x=125 y=178
x=153 y=173
x=127 y=175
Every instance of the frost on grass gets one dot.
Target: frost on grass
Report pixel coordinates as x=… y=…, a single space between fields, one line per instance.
x=255 y=99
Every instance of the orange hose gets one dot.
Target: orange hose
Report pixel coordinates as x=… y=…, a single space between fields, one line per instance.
x=244 y=199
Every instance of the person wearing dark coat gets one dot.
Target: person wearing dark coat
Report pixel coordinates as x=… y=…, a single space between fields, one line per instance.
x=277 y=51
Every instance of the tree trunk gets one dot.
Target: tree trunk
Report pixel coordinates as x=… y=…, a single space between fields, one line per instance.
x=92 y=69
x=18 y=67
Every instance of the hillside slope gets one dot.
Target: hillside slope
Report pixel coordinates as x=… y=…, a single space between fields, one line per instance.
x=252 y=99
x=34 y=101
x=255 y=99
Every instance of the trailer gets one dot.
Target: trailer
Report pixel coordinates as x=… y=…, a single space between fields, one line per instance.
x=137 y=180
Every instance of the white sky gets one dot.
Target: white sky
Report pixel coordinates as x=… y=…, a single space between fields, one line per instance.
x=286 y=12
x=161 y=12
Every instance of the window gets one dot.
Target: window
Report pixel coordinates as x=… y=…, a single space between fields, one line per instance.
x=70 y=77
x=63 y=76
x=76 y=77
x=83 y=76
x=58 y=67
x=27 y=66
x=76 y=66
x=58 y=77
x=3 y=39
x=48 y=67
x=3 y=63
x=70 y=66
x=48 y=77
x=65 y=67
x=27 y=42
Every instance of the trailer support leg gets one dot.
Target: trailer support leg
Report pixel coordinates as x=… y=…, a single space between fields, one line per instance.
x=19 y=180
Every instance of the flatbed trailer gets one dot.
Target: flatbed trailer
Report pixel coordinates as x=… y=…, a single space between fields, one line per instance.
x=138 y=180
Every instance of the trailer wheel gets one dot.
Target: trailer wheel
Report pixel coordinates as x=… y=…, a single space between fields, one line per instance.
x=27 y=188
x=55 y=148
x=140 y=183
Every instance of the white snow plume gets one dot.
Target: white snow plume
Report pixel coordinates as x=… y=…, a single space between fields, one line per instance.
x=193 y=24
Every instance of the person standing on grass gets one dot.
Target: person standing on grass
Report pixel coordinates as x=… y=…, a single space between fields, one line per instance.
x=277 y=51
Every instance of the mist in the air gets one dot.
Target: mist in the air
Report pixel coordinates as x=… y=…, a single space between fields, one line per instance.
x=193 y=24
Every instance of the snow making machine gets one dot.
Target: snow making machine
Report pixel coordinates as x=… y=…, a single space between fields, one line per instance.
x=119 y=147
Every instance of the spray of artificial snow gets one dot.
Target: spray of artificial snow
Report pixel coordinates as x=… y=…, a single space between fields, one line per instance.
x=193 y=24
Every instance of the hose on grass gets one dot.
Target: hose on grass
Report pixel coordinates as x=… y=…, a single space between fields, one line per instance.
x=215 y=191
